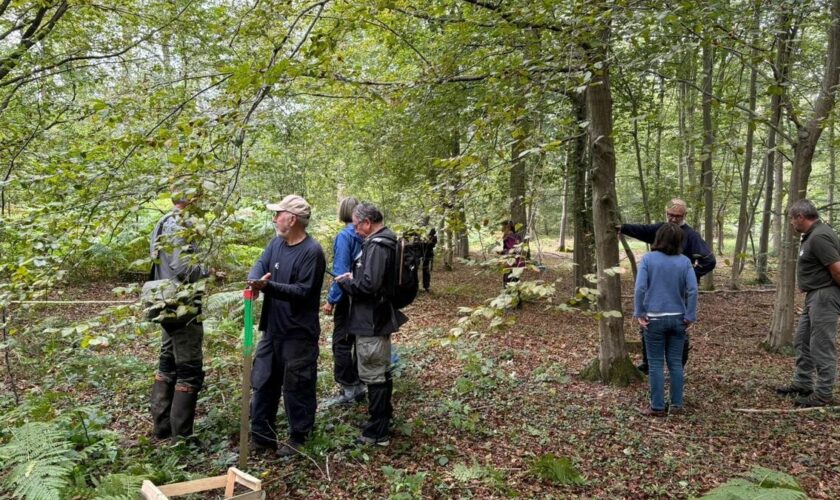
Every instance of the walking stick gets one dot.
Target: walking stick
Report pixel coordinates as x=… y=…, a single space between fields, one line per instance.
x=247 y=354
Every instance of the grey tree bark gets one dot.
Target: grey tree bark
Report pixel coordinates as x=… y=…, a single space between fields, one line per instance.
x=613 y=364
x=808 y=134
x=708 y=147
x=743 y=215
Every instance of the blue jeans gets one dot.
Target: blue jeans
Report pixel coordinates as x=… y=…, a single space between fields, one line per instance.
x=664 y=339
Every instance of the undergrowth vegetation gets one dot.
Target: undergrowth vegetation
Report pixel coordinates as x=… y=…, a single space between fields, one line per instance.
x=500 y=413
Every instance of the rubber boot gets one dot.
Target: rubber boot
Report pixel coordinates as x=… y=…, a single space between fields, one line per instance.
x=183 y=411
x=160 y=404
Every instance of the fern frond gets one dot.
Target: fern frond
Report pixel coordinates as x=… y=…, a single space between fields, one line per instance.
x=117 y=487
x=466 y=473
x=224 y=304
x=558 y=470
x=40 y=458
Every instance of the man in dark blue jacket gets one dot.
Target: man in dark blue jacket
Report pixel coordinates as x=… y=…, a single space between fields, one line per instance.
x=290 y=273
x=702 y=259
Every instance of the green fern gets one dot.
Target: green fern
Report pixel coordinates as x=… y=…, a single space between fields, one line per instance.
x=558 y=470
x=224 y=304
x=117 y=487
x=767 y=478
x=759 y=483
x=466 y=473
x=40 y=459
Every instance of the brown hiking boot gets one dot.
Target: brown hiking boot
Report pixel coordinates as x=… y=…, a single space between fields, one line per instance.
x=647 y=411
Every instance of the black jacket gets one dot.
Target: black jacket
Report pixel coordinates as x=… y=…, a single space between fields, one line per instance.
x=694 y=247
x=371 y=312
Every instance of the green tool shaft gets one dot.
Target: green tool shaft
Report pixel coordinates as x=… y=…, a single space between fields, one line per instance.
x=247 y=351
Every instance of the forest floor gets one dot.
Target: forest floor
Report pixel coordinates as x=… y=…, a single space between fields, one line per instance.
x=474 y=416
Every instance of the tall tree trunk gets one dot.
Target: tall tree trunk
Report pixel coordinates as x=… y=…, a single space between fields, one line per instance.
x=639 y=167
x=832 y=172
x=708 y=147
x=613 y=364
x=688 y=97
x=461 y=236
x=583 y=254
x=564 y=216
x=684 y=140
x=762 y=275
x=743 y=216
x=778 y=204
x=519 y=173
x=808 y=134
x=637 y=148
x=657 y=186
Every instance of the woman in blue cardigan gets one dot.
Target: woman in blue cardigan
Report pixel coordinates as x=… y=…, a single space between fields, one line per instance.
x=665 y=306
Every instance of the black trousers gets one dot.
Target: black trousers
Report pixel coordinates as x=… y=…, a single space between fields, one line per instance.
x=287 y=367
x=380 y=409
x=428 y=262
x=181 y=359
x=345 y=370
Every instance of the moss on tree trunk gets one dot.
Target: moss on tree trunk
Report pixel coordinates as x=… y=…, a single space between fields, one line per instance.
x=621 y=372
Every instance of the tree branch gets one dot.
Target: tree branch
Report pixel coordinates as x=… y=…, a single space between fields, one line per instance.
x=32 y=36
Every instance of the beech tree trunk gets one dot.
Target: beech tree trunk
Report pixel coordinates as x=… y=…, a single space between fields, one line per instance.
x=614 y=365
x=708 y=147
x=832 y=173
x=778 y=205
x=583 y=254
x=743 y=215
x=808 y=134
x=518 y=174
x=461 y=237
x=564 y=216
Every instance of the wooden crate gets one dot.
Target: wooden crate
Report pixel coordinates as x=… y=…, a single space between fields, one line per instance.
x=151 y=492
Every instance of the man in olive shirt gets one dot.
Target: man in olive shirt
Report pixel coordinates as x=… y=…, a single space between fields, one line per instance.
x=815 y=342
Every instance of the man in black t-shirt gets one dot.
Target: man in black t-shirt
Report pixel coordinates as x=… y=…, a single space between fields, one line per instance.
x=290 y=273
x=815 y=342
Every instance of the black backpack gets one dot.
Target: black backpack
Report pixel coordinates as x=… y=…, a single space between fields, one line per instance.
x=409 y=254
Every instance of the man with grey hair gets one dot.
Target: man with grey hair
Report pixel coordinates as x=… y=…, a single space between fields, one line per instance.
x=290 y=273
x=702 y=259
x=815 y=341
x=373 y=318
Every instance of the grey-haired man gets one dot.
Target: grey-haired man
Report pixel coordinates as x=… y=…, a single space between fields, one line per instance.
x=290 y=273
x=373 y=318
x=815 y=342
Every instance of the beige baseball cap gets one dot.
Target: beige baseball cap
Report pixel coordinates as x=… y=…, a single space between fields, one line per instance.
x=293 y=204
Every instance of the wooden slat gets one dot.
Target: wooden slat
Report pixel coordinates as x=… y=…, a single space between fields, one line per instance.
x=151 y=492
x=207 y=483
x=246 y=479
x=251 y=495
